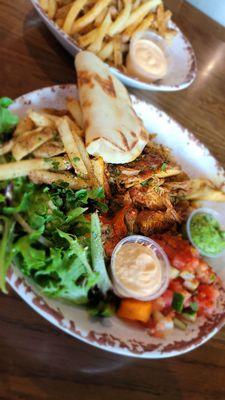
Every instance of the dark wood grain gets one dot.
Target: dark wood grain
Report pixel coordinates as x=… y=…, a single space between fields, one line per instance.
x=38 y=362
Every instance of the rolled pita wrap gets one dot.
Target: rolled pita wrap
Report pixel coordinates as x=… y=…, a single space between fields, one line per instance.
x=112 y=128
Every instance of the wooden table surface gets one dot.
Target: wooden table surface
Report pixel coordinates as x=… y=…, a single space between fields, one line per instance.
x=38 y=362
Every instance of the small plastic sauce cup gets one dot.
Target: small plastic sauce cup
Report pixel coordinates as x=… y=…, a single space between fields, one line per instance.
x=159 y=253
x=134 y=68
x=208 y=211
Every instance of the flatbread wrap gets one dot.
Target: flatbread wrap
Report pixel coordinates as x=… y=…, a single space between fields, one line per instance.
x=112 y=128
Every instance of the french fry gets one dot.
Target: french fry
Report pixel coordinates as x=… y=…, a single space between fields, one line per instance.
x=6 y=147
x=113 y=11
x=52 y=6
x=139 y=13
x=71 y=147
x=102 y=31
x=145 y=24
x=24 y=125
x=74 y=108
x=101 y=17
x=44 y=5
x=106 y=51
x=72 y=15
x=204 y=189
x=40 y=119
x=136 y=4
x=88 y=38
x=127 y=34
x=169 y=34
x=29 y=142
x=118 y=25
x=98 y=168
x=84 y=154
x=49 y=149
x=117 y=51
x=90 y=16
x=47 y=177
x=119 y=5
x=60 y=22
x=162 y=25
x=62 y=12
x=16 y=169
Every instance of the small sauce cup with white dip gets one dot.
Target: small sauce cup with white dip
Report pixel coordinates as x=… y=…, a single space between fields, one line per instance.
x=148 y=58
x=140 y=268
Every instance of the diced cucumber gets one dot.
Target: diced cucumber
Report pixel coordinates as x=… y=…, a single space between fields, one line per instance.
x=194 y=306
x=186 y=275
x=191 y=285
x=178 y=301
x=179 y=324
x=190 y=316
x=174 y=273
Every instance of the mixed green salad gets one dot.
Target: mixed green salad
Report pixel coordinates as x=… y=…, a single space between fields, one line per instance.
x=52 y=233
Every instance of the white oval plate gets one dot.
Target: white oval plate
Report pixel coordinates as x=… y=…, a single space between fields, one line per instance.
x=182 y=71
x=114 y=334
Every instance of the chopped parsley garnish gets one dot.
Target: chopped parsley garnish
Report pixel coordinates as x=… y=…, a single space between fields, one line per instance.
x=164 y=166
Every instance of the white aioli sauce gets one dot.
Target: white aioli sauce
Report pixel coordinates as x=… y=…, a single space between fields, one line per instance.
x=147 y=60
x=137 y=271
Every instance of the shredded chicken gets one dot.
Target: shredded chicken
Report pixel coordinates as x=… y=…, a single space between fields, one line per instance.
x=159 y=194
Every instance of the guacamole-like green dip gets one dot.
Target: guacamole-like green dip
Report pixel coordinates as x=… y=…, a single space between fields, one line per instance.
x=206 y=233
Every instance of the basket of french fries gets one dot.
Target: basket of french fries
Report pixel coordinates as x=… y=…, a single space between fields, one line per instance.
x=107 y=28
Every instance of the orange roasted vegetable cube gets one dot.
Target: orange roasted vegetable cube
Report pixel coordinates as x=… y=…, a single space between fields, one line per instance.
x=135 y=310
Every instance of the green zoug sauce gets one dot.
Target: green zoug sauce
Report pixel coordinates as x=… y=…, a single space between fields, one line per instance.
x=206 y=234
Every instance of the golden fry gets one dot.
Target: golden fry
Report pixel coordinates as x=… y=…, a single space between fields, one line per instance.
x=203 y=189
x=47 y=177
x=27 y=143
x=120 y=22
x=62 y=12
x=88 y=38
x=145 y=24
x=52 y=6
x=83 y=153
x=101 y=17
x=102 y=31
x=99 y=170
x=126 y=35
x=90 y=16
x=113 y=12
x=138 y=14
x=136 y=4
x=106 y=51
x=40 y=119
x=71 y=147
x=72 y=15
x=74 y=108
x=16 y=169
x=24 y=125
x=117 y=51
x=49 y=149
x=44 y=5
x=60 y=22
x=6 y=147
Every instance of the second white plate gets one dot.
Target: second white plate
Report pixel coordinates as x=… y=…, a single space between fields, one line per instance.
x=182 y=71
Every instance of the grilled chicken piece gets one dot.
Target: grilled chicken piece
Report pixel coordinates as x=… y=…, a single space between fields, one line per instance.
x=149 y=198
x=147 y=161
x=149 y=222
